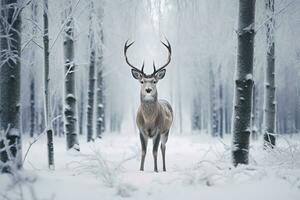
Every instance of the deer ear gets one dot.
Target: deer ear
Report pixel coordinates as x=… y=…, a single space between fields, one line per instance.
x=160 y=74
x=136 y=74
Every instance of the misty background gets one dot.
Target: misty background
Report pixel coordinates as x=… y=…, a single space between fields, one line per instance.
x=203 y=39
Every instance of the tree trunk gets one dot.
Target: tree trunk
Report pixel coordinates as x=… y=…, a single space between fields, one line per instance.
x=221 y=104
x=90 y=107
x=34 y=7
x=10 y=134
x=81 y=110
x=196 y=114
x=254 y=113
x=269 y=96
x=100 y=126
x=100 y=102
x=213 y=106
x=243 y=83
x=227 y=113
x=70 y=98
x=221 y=113
x=32 y=107
x=47 y=91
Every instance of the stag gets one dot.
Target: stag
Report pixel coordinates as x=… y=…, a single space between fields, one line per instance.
x=154 y=117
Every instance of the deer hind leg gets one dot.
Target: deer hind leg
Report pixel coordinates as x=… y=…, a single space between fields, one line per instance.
x=144 y=142
x=156 y=141
x=164 y=138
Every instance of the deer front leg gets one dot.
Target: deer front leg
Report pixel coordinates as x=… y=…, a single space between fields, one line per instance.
x=163 y=153
x=144 y=142
x=155 y=148
x=164 y=138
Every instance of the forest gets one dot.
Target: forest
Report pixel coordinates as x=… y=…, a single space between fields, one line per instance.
x=149 y=99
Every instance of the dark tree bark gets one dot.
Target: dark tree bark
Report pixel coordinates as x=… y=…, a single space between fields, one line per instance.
x=100 y=103
x=10 y=134
x=100 y=123
x=32 y=107
x=221 y=105
x=269 y=97
x=213 y=106
x=254 y=114
x=81 y=110
x=243 y=83
x=221 y=112
x=91 y=94
x=34 y=7
x=196 y=114
x=70 y=97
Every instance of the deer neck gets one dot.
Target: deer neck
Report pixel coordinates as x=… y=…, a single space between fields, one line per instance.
x=149 y=110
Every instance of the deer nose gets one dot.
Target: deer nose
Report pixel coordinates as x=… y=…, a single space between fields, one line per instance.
x=148 y=90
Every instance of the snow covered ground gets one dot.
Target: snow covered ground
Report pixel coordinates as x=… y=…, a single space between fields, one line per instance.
x=198 y=167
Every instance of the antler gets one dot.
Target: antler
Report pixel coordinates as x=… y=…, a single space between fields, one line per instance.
x=168 y=46
x=125 y=51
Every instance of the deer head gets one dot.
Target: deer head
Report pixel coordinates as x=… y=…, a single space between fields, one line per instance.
x=148 y=81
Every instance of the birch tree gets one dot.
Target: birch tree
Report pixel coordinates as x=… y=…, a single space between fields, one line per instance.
x=269 y=95
x=196 y=114
x=221 y=106
x=81 y=109
x=100 y=102
x=32 y=107
x=91 y=89
x=49 y=130
x=70 y=97
x=243 y=83
x=213 y=106
x=254 y=114
x=100 y=123
x=10 y=45
x=34 y=7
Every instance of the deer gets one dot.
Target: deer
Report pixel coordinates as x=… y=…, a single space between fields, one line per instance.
x=154 y=117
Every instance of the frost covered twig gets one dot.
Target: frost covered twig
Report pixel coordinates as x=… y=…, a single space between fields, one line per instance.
x=37 y=138
x=276 y=13
x=107 y=171
x=64 y=24
x=20 y=187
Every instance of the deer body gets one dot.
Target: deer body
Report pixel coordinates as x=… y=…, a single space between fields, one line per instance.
x=154 y=121
x=154 y=117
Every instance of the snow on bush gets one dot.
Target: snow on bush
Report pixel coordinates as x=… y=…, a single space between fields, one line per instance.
x=283 y=161
x=18 y=185
x=107 y=171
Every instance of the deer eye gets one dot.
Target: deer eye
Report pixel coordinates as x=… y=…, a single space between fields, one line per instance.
x=154 y=82
x=142 y=82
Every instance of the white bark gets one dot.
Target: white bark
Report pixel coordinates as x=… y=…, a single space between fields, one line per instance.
x=269 y=95
x=49 y=130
